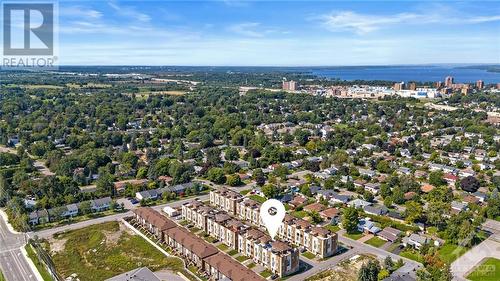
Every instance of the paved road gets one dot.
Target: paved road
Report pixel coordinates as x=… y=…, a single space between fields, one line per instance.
x=117 y=217
x=12 y=262
x=488 y=248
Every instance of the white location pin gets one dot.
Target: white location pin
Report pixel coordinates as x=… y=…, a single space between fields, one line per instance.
x=272 y=213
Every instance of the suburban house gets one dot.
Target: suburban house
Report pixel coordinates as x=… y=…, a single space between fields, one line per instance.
x=389 y=234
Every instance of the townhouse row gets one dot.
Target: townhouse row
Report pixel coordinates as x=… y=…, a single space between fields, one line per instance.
x=276 y=256
x=299 y=232
x=192 y=249
x=50 y=215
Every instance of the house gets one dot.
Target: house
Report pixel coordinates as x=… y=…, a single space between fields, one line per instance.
x=450 y=178
x=372 y=187
x=409 y=195
x=298 y=201
x=367 y=226
x=325 y=194
x=101 y=204
x=120 y=185
x=339 y=198
x=314 y=207
x=314 y=189
x=375 y=210
x=469 y=199
x=480 y=196
x=457 y=207
x=426 y=188
x=38 y=217
x=138 y=274
x=147 y=195
x=367 y=172
x=180 y=188
x=395 y=215
x=389 y=234
x=331 y=215
x=358 y=203
x=171 y=212
x=415 y=241
x=404 y=171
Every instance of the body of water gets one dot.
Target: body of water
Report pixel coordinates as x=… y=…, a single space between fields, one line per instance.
x=408 y=73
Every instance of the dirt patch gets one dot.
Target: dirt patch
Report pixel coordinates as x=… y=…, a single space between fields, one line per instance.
x=346 y=271
x=114 y=236
x=56 y=245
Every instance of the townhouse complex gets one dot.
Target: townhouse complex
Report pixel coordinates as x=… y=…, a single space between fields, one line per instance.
x=276 y=256
x=192 y=249
x=299 y=232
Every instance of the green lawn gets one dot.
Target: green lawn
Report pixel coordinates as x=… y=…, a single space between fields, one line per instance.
x=412 y=255
x=300 y=214
x=266 y=273
x=449 y=252
x=232 y=252
x=376 y=242
x=223 y=247
x=488 y=270
x=354 y=236
x=101 y=251
x=1 y=277
x=251 y=265
x=333 y=228
x=39 y=265
x=309 y=255
x=242 y=258
x=257 y=198
x=245 y=192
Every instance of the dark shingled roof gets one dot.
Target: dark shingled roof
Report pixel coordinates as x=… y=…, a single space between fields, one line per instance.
x=231 y=268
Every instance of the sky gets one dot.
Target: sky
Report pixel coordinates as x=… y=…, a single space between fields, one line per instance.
x=278 y=33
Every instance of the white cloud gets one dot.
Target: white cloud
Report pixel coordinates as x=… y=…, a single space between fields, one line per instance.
x=77 y=11
x=247 y=29
x=254 y=29
x=366 y=23
x=128 y=11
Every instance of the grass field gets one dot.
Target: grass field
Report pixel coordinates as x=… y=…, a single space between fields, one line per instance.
x=488 y=270
x=1 y=277
x=412 y=255
x=375 y=242
x=449 y=252
x=39 y=266
x=257 y=198
x=309 y=255
x=333 y=228
x=101 y=251
x=354 y=236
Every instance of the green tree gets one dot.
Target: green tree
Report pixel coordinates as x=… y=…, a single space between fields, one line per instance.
x=414 y=211
x=350 y=220
x=216 y=175
x=270 y=190
x=369 y=271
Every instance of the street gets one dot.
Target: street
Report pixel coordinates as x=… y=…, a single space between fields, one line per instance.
x=13 y=264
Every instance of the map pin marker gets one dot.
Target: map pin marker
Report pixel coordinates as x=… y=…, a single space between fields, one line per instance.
x=272 y=213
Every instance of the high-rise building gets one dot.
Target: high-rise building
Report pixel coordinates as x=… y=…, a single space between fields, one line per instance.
x=479 y=84
x=448 y=81
x=399 y=86
x=412 y=86
x=289 y=85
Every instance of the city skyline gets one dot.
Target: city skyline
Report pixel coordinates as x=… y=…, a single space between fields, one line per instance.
x=297 y=33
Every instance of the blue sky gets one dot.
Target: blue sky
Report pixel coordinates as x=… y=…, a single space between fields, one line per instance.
x=282 y=33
